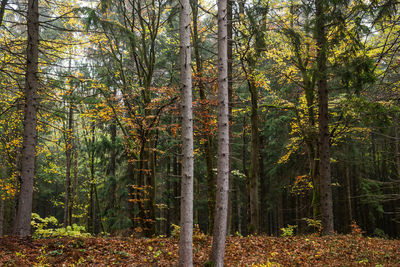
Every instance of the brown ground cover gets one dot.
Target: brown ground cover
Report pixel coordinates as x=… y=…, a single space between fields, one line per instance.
x=338 y=250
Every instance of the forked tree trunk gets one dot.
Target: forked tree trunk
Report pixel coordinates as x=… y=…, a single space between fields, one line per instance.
x=324 y=149
x=23 y=220
x=221 y=211
x=186 y=236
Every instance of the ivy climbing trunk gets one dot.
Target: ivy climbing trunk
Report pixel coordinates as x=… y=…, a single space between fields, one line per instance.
x=221 y=211
x=24 y=211
x=324 y=138
x=186 y=236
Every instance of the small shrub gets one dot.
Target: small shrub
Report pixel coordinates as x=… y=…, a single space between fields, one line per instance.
x=289 y=230
x=380 y=233
x=42 y=228
x=198 y=235
x=355 y=229
x=316 y=225
x=176 y=231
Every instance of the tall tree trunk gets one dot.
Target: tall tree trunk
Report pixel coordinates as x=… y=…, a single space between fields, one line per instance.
x=324 y=149
x=208 y=143
x=263 y=196
x=68 y=157
x=347 y=195
x=221 y=211
x=254 y=157
x=230 y=96
x=92 y=196
x=111 y=212
x=74 y=193
x=169 y=202
x=186 y=236
x=23 y=220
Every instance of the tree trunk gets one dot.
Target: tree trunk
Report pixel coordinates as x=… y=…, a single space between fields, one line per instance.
x=2 y=202
x=186 y=236
x=263 y=196
x=254 y=157
x=347 y=203
x=68 y=157
x=208 y=143
x=221 y=211
x=176 y=186
x=230 y=96
x=324 y=149
x=23 y=220
x=74 y=194
x=111 y=211
x=169 y=202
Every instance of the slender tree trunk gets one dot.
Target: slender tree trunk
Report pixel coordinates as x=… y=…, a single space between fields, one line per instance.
x=396 y=147
x=74 y=195
x=111 y=212
x=324 y=149
x=90 y=221
x=208 y=143
x=263 y=195
x=230 y=96
x=254 y=213
x=221 y=211
x=169 y=202
x=397 y=156
x=68 y=157
x=186 y=236
x=177 y=186
x=152 y=186
x=23 y=221
x=2 y=202
x=347 y=204
x=92 y=205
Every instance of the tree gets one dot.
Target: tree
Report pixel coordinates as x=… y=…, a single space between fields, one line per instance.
x=23 y=221
x=324 y=133
x=206 y=118
x=221 y=209
x=186 y=239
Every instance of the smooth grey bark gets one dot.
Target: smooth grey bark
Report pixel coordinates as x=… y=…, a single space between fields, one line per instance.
x=324 y=146
x=23 y=220
x=186 y=236
x=221 y=209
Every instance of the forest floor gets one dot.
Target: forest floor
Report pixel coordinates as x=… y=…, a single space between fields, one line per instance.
x=338 y=250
